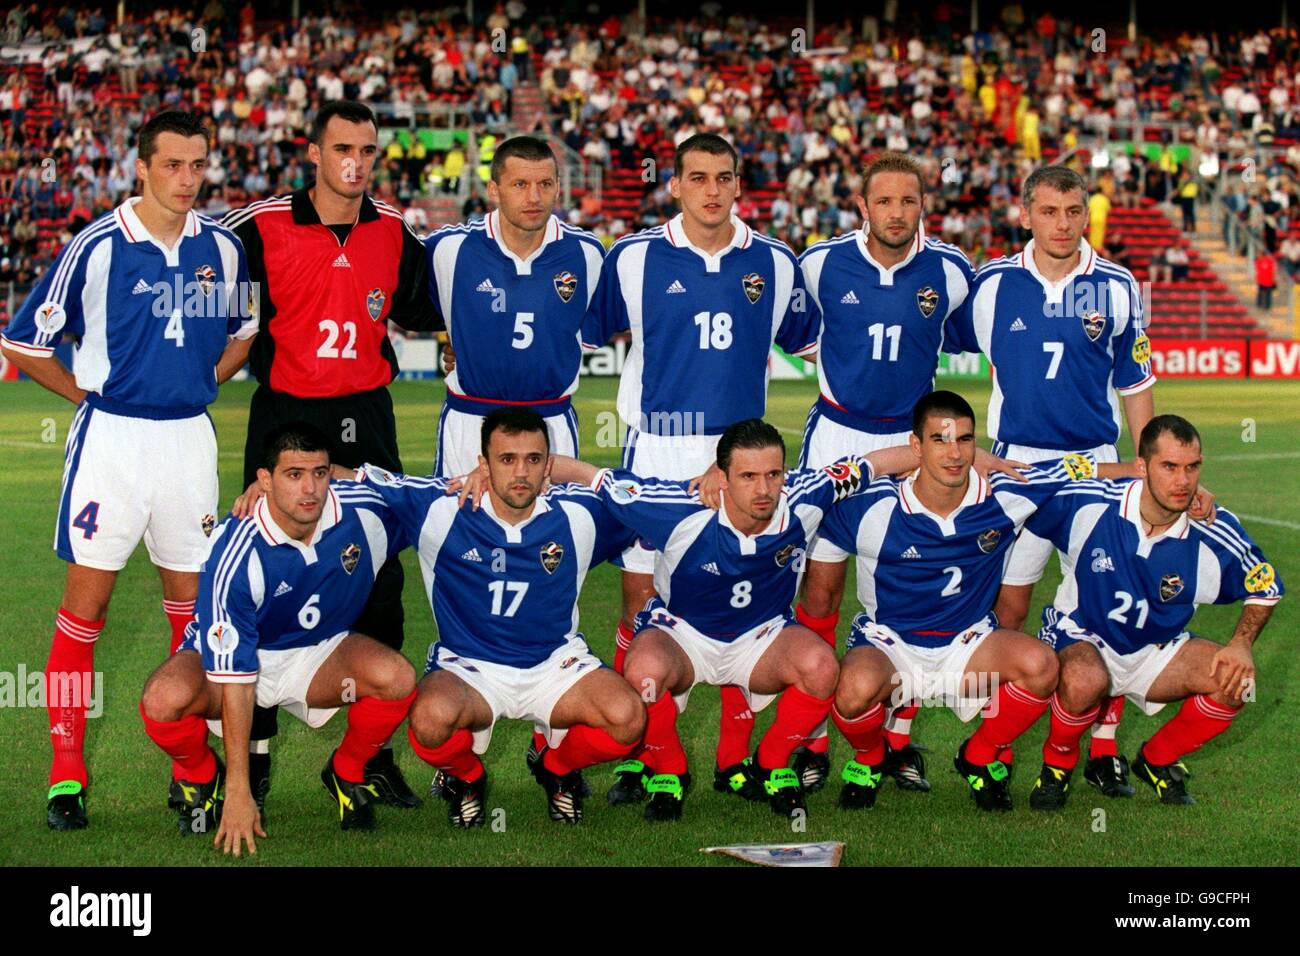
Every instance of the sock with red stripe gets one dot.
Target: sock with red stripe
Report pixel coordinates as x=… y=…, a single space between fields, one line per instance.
x=584 y=746
x=179 y=614
x=1008 y=715
x=1103 y=743
x=819 y=740
x=864 y=734
x=539 y=740
x=663 y=748
x=456 y=756
x=797 y=712
x=371 y=721
x=186 y=742
x=622 y=641
x=735 y=726
x=69 y=686
x=1197 y=722
x=898 y=726
x=1065 y=730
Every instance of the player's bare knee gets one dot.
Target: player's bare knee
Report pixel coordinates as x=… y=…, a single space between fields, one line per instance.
x=165 y=698
x=855 y=691
x=818 y=672
x=1039 y=670
x=624 y=716
x=394 y=678
x=1224 y=700
x=1082 y=683
x=433 y=720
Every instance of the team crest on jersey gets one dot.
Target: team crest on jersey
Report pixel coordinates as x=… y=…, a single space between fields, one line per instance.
x=988 y=540
x=207 y=279
x=350 y=556
x=624 y=491
x=209 y=522
x=753 y=285
x=1171 y=585
x=552 y=555
x=1094 y=323
x=1141 y=349
x=927 y=300
x=566 y=283
x=1259 y=578
x=845 y=478
x=50 y=317
x=783 y=556
x=375 y=299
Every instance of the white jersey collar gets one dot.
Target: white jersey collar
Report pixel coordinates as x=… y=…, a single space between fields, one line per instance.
x=523 y=267
x=331 y=514
x=977 y=489
x=1131 y=509
x=1055 y=290
x=887 y=273
x=514 y=532
x=777 y=524
x=134 y=231
x=741 y=238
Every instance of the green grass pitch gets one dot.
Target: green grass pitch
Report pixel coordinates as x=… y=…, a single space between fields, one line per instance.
x=1245 y=781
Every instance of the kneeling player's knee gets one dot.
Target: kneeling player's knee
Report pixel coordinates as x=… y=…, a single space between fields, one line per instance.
x=165 y=699
x=647 y=676
x=819 y=672
x=855 y=690
x=1081 y=684
x=625 y=718
x=432 y=720
x=395 y=678
x=1041 y=670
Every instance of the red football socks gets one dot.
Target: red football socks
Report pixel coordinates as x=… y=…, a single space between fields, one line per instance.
x=1198 y=721
x=797 y=713
x=622 y=641
x=456 y=756
x=186 y=742
x=1103 y=742
x=1007 y=716
x=663 y=748
x=823 y=627
x=69 y=685
x=371 y=721
x=179 y=614
x=735 y=726
x=898 y=727
x=584 y=746
x=863 y=734
x=1061 y=749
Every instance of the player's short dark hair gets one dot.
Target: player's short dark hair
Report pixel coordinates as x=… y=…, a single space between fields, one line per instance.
x=751 y=433
x=514 y=421
x=528 y=148
x=181 y=122
x=1184 y=433
x=1060 y=178
x=350 y=110
x=292 y=436
x=891 y=162
x=710 y=143
x=944 y=405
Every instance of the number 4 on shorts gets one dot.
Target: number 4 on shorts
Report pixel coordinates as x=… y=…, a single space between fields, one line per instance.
x=87 y=520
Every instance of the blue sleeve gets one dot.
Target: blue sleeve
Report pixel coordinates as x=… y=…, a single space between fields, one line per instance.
x=1244 y=573
x=242 y=306
x=612 y=536
x=431 y=243
x=958 y=332
x=1132 y=368
x=225 y=612
x=648 y=506
x=801 y=323
x=361 y=496
x=53 y=308
x=833 y=483
x=1048 y=477
x=406 y=497
x=1055 y=516
x=607 y=312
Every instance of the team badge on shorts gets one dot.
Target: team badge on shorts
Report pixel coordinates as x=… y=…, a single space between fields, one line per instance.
x=1259 y=578
x=209 y=522
x=1141 y=349
x=566 y=283
x=375 y=299
x=927 y=300
x=1094 y=323
x=1171 y=585
x=50 y=317
x=207 y=279
x=753 y=285
x=350 y=556
x=783 y=556
x=988 y=540
x=552 y=554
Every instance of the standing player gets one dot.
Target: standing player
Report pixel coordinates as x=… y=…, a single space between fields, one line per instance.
x=885 y=295
x=513 y=288
x=334 y=267
x=154 y=292
x=1136 y=568
x=288 y=644
x=704 y=297
x=1063 y=329
x=930 y=551
x=503 y=581
x=725 y=582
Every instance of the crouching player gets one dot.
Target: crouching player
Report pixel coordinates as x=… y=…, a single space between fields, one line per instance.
x=1137 y=568
x=277 y=597
x=931 y=550
x=725 y=581
x=508 y=575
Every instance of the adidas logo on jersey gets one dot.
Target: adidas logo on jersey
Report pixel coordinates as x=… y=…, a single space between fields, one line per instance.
x=675 y=288
x=911 y=552
x=342 y=262
x=141 y=287
x=850 y=298
x=283 y=589
x=471 y=555
x=1018 y=325
x=711 y=567
x=484 y=286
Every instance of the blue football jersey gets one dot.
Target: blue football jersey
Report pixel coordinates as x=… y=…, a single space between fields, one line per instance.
x=515 y=323
x=930 y=578
x=1131 y=590
x=1060 y=353
x=259 y=588
x=702 y=326
x=152 y=322
x=720 y=580
x=882 y=329
x=502 y=593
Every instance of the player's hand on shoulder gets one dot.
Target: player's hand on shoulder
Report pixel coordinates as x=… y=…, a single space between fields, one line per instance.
x=471 y=486
x=240 y=823
x=1233 y=666
x=339 y=473
x=709 y=487
x=243 y=506
x=986 y=463
x=1203 y=508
